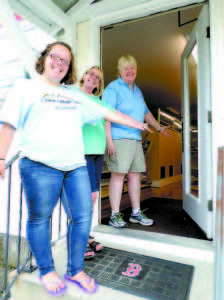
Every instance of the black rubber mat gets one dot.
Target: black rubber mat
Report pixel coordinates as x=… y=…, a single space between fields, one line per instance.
x=169 y=218
x=143 y=276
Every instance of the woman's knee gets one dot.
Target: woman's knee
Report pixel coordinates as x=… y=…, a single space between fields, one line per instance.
x=117 y=176
x=135 y=176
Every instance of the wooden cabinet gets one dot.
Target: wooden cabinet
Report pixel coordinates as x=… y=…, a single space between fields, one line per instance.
x=164 y=155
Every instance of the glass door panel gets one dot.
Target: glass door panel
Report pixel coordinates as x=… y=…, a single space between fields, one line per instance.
x=196 y=105
x=193 y=128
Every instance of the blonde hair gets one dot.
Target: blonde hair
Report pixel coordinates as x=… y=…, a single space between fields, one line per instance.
x=124 y=61
x=99 y=90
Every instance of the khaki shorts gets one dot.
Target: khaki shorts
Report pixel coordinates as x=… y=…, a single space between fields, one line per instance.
x=129 y=157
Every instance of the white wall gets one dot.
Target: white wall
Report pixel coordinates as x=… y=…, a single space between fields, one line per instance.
x=217 y=71
x=83 y=48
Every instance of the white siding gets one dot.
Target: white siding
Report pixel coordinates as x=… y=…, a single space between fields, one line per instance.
x=83 y=48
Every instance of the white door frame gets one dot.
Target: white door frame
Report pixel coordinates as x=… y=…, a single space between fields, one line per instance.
x=217 y=59
x=197 y=206
x=130 y=13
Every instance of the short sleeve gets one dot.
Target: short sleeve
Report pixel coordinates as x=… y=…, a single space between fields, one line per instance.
x=146 y=109
x=13 y=111
x=91 y=111
x=110 y=96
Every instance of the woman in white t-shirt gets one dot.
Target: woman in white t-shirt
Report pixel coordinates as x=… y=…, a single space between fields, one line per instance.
x=48 y=113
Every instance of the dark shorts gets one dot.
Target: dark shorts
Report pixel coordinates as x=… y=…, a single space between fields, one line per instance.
x=94 y=164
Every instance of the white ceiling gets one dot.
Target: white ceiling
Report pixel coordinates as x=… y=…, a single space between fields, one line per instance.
x=65 y=5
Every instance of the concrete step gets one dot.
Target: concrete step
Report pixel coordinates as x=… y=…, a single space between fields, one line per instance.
x=159 y=245
x=28 y=286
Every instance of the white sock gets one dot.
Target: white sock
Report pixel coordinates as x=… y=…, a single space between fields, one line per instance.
x=135 y=211
x=114 y=212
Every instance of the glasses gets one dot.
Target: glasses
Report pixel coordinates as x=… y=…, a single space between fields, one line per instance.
x=94 y=75
x=56 y=58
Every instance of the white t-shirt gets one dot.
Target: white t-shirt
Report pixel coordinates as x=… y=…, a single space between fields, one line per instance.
x=50 y=121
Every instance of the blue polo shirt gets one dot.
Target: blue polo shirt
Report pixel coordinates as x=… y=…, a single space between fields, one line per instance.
x=121 y=97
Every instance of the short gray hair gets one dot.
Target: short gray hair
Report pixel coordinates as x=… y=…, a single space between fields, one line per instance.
x=126 y=60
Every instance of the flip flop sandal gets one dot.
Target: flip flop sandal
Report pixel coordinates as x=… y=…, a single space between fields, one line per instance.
x=89 y=250
x=79 y=283
x=94 y=244
x=60 y=291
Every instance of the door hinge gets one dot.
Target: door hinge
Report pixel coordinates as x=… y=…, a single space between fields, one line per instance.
x=210 y=205
x=208 y=32
x=209 y=117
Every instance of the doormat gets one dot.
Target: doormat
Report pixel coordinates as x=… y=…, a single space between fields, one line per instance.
x=140 y=275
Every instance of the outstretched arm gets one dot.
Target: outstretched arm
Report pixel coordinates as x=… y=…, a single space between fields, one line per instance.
x=152 y=121
x=6 y=136
x=118 y=117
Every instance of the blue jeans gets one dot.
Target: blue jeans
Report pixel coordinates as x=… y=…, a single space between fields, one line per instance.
x=94 y=164
x=42 y=188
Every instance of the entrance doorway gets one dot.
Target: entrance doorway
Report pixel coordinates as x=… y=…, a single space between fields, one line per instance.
x=157 y=43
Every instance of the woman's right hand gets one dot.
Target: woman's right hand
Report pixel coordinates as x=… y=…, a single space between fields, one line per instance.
x=2 y=168
x=145 y=127
x=110 y=149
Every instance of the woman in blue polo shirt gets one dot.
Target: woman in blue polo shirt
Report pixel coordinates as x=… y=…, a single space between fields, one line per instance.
x=124 y=149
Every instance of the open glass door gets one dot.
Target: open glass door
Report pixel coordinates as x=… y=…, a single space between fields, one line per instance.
x=196 y=106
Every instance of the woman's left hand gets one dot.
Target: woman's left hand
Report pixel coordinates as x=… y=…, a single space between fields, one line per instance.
x=164 y=130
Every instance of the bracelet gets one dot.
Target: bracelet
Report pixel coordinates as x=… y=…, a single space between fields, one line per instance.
x=2 y=158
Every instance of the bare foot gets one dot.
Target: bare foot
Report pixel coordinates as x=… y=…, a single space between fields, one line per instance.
x=89 y=254
x=96 y=246
x=52 y=282
x=85 y=281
